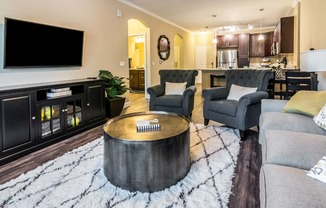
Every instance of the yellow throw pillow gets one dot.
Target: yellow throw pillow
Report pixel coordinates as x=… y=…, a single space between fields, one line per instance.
x=304 y=102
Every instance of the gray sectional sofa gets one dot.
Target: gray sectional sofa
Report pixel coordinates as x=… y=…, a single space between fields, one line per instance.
x=291 y=145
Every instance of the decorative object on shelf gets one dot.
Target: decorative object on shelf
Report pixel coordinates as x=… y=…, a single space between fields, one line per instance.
x=163 y=47
x=279 y=73
x=74 y=122
x=114 y=88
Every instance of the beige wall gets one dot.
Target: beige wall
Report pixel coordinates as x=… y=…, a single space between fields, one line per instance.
x=313 y=30
x=106 y=37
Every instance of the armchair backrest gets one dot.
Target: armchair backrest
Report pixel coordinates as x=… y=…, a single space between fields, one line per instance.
x=248 y=78
x=178 y=76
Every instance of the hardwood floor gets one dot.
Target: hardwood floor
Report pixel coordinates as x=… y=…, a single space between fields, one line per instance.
x=245 y=191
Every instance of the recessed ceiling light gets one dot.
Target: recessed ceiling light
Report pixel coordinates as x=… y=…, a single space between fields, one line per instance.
x=262 y=9
x=214 y=15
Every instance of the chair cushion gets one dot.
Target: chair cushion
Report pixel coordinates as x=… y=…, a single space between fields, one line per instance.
x=172 y=88
x=236 y=92
x=169 y=100
x=308 y=103
x=227 y=107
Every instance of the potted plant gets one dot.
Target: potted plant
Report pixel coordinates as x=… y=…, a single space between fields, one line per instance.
x=114 y=88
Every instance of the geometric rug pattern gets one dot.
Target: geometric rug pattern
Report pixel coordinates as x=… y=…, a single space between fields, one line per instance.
x=76 y=179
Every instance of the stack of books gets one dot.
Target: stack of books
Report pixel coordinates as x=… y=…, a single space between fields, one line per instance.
x=148 y=125
x=60 y=92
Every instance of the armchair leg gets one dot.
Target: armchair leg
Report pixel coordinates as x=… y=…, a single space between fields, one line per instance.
x=243 y=134
x=206 y=121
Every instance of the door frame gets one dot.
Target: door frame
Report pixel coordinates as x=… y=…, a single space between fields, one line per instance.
x=147 y=65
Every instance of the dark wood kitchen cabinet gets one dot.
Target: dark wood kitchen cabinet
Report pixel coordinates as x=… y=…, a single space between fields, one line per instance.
x=261 y=48
x=243 y=50
x=268 y=43
x=227 y=41
x=257 y=47
x=31 y=120
x=284 y=35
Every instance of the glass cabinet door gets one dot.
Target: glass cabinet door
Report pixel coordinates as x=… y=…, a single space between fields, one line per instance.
x=50 y=120
x=74 y=113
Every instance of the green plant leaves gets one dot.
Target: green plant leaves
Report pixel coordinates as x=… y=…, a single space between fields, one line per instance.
x=114 y=85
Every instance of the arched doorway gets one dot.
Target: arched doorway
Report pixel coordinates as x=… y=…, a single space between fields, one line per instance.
x=178 y=54
x=139 y=56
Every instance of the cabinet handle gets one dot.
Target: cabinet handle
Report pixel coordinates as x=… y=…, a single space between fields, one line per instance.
x=33 y=118
x=63 y=110
x=66 y=110
x=88 y=104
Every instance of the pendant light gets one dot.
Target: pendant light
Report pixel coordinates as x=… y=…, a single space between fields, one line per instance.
x=214 y=41
x=261 y=36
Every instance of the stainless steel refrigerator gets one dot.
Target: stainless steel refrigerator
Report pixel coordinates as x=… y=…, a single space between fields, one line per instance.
x=227 y=58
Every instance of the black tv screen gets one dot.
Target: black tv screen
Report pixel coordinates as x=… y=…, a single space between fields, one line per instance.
x=29 y=44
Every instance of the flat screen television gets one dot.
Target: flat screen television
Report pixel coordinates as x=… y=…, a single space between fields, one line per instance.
x=29 y=45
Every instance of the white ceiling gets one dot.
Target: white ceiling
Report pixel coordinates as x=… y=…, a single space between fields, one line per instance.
x=195 y=15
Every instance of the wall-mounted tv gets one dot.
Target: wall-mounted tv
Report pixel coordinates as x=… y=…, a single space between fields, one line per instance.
x=29 y=45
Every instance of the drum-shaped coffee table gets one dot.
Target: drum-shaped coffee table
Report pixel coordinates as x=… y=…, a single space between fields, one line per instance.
x=146 y=161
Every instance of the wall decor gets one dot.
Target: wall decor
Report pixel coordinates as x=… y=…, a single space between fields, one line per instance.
x=163 y=47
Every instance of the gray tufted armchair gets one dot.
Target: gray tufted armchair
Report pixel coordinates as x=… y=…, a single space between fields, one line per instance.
x=242 y=114
x=181 y=104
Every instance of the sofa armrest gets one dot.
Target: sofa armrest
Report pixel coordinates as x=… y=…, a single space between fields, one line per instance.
x=156 y=90
x=269 y=105
x=216 y=93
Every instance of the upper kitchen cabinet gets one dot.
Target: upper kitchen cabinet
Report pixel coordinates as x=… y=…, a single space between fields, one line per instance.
x=284 y=35
x=227 y=41
x=261 y=48
x=268 y=43
x=243 y=50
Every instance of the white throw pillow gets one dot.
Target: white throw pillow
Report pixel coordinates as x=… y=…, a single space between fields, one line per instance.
x=236 y=92
x=172 y=88
x=319 y=170
x=320 y=118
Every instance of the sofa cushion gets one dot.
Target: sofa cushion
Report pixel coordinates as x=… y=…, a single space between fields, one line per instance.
x=283 y=186
x=287 y=121
x=304 y=102
x=296 y=149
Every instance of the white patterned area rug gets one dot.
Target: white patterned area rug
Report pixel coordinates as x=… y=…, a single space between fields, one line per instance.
x=76 y=179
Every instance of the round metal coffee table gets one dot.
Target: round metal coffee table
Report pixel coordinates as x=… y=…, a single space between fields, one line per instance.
x=146 y=161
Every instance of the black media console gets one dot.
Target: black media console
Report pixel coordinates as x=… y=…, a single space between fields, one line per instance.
x=30 y=119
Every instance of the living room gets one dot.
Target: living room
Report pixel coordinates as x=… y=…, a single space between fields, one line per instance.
x=106 y=46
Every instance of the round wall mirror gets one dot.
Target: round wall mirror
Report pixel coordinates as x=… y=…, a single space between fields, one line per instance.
x=163 y=47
